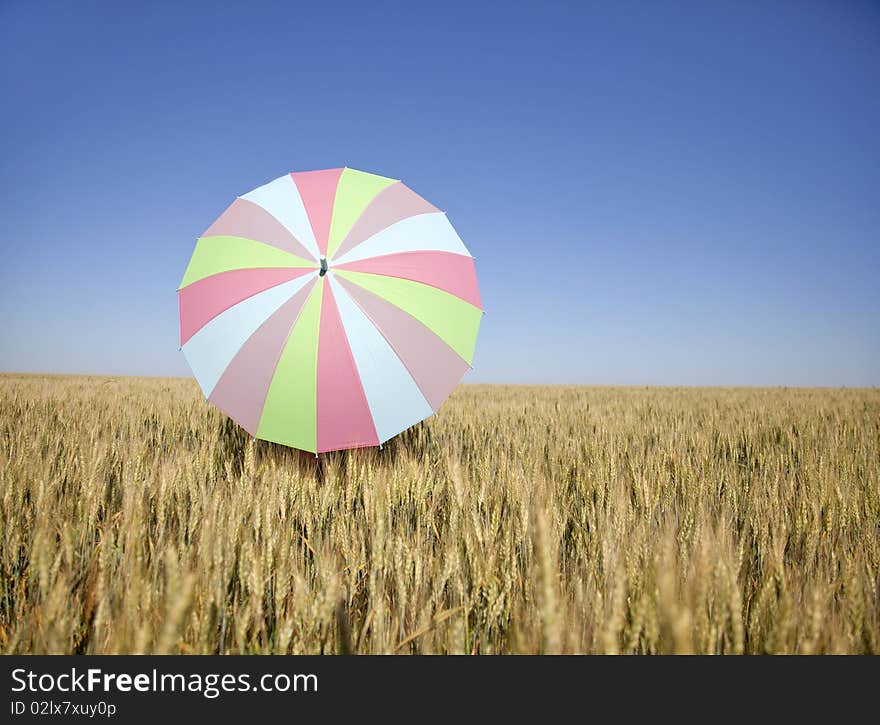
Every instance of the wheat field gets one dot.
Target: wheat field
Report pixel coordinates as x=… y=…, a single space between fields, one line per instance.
x=136 y=518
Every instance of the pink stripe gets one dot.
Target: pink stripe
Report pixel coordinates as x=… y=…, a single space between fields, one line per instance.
x=200 y=302
x=453 y=273
x=245 y=219
x=392 y=204
x=318 y=192
x=344 y=419
x=242 y=389
x=435 y=366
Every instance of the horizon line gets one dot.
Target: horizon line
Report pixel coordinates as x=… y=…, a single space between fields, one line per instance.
x=718 y=386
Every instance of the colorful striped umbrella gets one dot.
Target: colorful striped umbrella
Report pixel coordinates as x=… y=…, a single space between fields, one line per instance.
x=329 y=310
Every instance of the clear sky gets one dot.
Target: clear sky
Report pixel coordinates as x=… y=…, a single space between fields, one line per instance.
x=655 y=193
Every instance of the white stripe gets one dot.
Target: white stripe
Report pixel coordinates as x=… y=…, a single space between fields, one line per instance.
x=395 y=401
x=419 y=233
x=282 y=200
x=212 y=348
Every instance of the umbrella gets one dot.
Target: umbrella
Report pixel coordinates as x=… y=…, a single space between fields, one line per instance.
x=329 y=310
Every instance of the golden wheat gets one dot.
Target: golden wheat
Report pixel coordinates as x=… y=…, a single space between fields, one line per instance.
x=137 y=518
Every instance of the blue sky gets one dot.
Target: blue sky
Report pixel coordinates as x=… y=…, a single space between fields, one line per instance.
x=655 y=193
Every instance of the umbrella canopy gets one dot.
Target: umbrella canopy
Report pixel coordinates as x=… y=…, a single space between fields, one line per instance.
x=329 y=310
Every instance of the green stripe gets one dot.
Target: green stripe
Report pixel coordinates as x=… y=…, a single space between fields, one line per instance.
x=453 y=320
x=354 y=191
x=290 y=413
x=213 y=255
